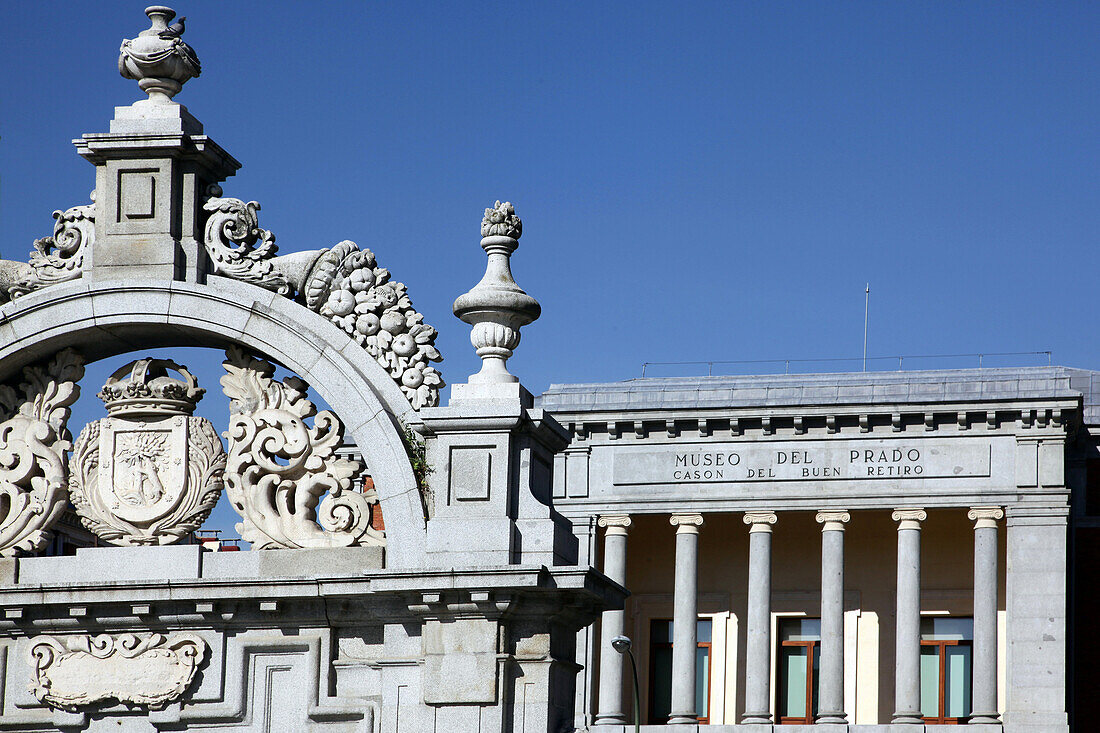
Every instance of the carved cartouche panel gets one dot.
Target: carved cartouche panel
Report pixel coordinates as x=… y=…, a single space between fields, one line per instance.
x=150 y=670
x=33 y=441
x=151 y=472
x=279 y=467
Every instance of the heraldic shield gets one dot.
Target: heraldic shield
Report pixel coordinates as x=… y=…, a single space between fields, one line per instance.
x=150 y=472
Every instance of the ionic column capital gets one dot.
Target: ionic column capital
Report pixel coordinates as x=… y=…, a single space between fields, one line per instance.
x=686 y=523
x=760 y=521
x=909 y=518
x=833 y=520
x=985 y=517
x=615 y=523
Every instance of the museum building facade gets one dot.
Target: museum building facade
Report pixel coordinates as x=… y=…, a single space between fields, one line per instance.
x=861 y=549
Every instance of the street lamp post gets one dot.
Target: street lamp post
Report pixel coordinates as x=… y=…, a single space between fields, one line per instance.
x=621 y=644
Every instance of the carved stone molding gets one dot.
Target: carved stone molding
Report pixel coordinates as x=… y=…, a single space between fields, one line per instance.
x=33 y=441
x=77 y=671
x=55 y=259
x=279 y=467
x=151 y=473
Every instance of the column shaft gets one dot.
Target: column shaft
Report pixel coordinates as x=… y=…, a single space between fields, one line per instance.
x=609 y=709
x=907 y=619
x=684 y=613
x=758 y=640
x=830 y=703
x=984 y=691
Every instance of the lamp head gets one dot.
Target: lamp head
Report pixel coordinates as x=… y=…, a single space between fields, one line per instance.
x=621 y=644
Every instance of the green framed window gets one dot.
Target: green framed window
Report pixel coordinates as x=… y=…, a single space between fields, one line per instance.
x=660 y=670
x=946 y=669
x=799 y=656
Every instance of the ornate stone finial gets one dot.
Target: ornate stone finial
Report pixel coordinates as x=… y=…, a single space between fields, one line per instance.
x=158 y=58
x=497 y=307
x=144 y=389
x=151 y=472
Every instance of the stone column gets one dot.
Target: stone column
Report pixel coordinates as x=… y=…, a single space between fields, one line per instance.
x=684 y=613
x=984 y=690
x=830 y=704
x=610 y=701
x=758 y=644
x=907 y=620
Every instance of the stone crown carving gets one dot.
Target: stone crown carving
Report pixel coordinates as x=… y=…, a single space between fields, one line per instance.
x=78 y=671
x=279 y=467
x=344 y=284
x=54 y=259
x=497 y=307
x=158 y=59
x=33 y=441
x=145 y=388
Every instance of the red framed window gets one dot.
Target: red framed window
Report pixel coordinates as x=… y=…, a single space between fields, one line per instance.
x=946 y=669
x=660 y=670
x=799 y=661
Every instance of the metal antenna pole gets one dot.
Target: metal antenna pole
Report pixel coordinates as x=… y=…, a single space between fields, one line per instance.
x=866 y=305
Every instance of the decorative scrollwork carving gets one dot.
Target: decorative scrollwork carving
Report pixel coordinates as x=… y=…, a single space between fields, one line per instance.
x=77 y=671
x=33 y=441
x=279 y=467
x=347 y=286
x=54 y=259
x=239 y=248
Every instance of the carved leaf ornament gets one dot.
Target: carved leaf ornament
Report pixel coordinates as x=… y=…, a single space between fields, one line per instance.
x=33 y=442
x=151 y=670
x=55 y=259
x=279 y=467
x=344 y=284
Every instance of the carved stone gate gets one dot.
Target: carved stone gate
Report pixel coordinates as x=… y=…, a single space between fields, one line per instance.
x=460 y=615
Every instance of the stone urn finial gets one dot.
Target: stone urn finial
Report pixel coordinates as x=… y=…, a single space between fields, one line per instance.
x=496 y=307
x=158 y=58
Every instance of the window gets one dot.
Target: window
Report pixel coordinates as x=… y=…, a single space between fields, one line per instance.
x=799 y=659
x=945 y=668
x=660 y=670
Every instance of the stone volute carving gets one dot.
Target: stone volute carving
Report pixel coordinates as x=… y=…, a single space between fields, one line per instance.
x=54 y=259
x=497 y=307
x=158 y=59
x=343 y=283
x=33 y=441
x=149 y=670
x=279 y=467
x=151 y=472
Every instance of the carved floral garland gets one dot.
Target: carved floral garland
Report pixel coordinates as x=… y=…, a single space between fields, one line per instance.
x=279 y=467
x=33 y=441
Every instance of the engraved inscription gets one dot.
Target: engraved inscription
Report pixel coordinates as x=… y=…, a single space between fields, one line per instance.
x=802 y=461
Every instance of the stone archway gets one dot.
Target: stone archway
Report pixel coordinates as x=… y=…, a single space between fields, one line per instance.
x=102 y=319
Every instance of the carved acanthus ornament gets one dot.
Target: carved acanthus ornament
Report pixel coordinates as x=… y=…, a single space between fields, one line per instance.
x=54 y=259
x=344 y=284
x=150 y=670
x=279 y=467
x=151 y=472
x=33 y=441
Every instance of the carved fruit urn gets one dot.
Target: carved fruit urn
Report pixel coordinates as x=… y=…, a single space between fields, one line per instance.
x=158 y=58
x=497 y=307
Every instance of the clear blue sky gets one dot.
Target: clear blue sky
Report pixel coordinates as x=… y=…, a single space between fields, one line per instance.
x=710 y=180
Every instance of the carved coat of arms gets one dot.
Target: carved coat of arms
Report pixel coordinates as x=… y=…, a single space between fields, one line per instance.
x=151 y=472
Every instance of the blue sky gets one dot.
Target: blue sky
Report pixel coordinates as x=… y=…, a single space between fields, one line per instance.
x=697 y=180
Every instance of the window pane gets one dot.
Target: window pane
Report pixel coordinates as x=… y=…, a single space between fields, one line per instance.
x=946 y=628
x=660 y=631
x=930 y=681
x=957 y=684
x=792 y=666
x=702 y=681
x=660 y=687
x=702 y=630
x=799 y=629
